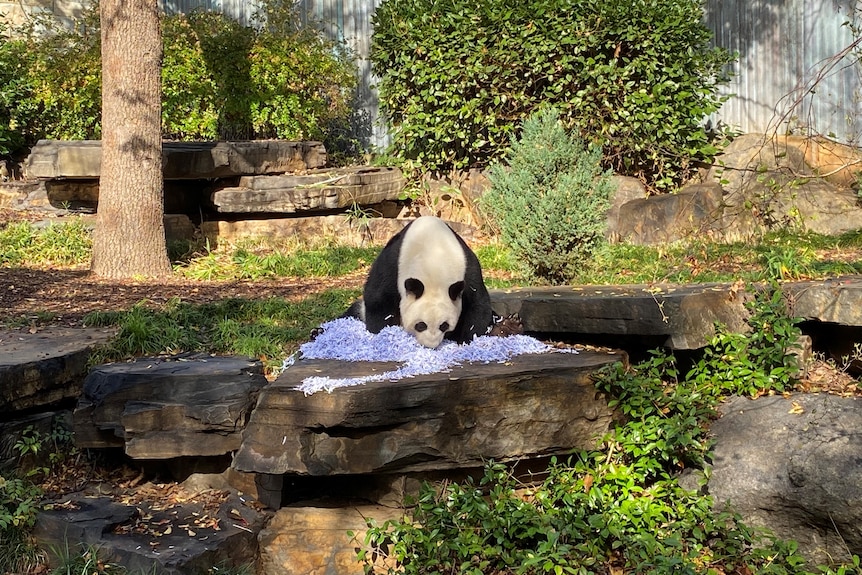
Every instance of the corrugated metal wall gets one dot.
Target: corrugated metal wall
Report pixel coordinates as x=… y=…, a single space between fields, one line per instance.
x=349 y=21
x=788 y=76
x=240 y=10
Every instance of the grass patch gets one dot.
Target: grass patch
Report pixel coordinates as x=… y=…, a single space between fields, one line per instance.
x=777 y=256
x=67 y=244
x=259 y=260
x=269 y=329
x=499 y=266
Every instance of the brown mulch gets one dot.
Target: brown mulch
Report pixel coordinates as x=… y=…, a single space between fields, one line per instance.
x=65 y=296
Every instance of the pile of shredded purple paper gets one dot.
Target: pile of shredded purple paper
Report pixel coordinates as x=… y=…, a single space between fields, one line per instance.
x=346 y=339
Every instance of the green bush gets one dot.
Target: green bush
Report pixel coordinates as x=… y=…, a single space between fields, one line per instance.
x=549 y=202
x=66 y=78
x=220 y=80
x=189 y=92
x=639 y=78
x=15 y=90
x=764 y=359
x=305 y=84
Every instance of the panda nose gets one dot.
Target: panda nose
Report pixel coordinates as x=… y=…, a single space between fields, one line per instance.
x=421 y=326
x=444 y=327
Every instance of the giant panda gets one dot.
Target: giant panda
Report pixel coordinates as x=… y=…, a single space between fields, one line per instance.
x=428 y=281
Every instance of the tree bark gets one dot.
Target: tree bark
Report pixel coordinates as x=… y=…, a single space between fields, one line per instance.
x=129 y=239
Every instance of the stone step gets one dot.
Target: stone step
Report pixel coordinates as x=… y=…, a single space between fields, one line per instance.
x=314 y=190
x=82 y=159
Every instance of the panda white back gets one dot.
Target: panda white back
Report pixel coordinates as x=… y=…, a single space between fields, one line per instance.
x=427 y=280
x=431 y=269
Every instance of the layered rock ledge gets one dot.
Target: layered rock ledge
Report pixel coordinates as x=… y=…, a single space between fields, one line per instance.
x=530 y=406
x=56 y=159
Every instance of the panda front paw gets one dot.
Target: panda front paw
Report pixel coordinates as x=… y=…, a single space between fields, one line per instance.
x=315 y=332
x=509 y=325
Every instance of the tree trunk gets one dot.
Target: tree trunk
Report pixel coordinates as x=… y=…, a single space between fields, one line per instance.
x=129 y=239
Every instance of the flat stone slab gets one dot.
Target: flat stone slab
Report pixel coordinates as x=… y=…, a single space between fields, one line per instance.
x=162 y=534
x=837 y=300
x=45 y=367
x=82 y=159
x=531 y=406
x=680 y=316
x=683 y=315
x=162 y=408
x=313 y=190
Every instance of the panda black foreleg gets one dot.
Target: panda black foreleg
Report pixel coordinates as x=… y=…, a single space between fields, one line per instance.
x=356 y=310
x=509 y=325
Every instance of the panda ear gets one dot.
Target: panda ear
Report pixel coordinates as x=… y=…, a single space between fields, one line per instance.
x=456 y=289
x=414 y=287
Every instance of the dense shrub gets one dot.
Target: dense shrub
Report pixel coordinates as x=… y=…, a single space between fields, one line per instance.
x=220 y=79
x=15 y=88
x=66 y=79
x=550 y=201
x=189 y=92
x=639 y=78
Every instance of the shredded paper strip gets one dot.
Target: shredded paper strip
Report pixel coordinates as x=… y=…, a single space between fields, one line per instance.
x=346 y=339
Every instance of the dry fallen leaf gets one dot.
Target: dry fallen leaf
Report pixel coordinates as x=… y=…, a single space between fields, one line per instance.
x=796 y=409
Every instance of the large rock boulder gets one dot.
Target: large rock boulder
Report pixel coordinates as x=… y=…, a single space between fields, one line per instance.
x=163 y=408
x=626 y=189
x=691 y=212
x=453 y=420
x=757 y=183
x=793 y=465
x=769 y=183
x=837 y=163
x=45 y=367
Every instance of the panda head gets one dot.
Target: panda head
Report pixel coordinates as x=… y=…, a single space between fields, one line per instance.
x=430 y=314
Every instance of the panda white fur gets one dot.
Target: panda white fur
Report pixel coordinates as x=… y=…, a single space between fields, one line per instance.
x=428 y=281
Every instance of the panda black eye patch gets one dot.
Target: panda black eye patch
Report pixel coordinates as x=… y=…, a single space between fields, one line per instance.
x=444 y=327
x=421 y=326
x=455 y=290
x=415 y=287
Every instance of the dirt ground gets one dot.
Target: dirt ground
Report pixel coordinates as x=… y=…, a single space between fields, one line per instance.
x=65 y=296
x=68 y=295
